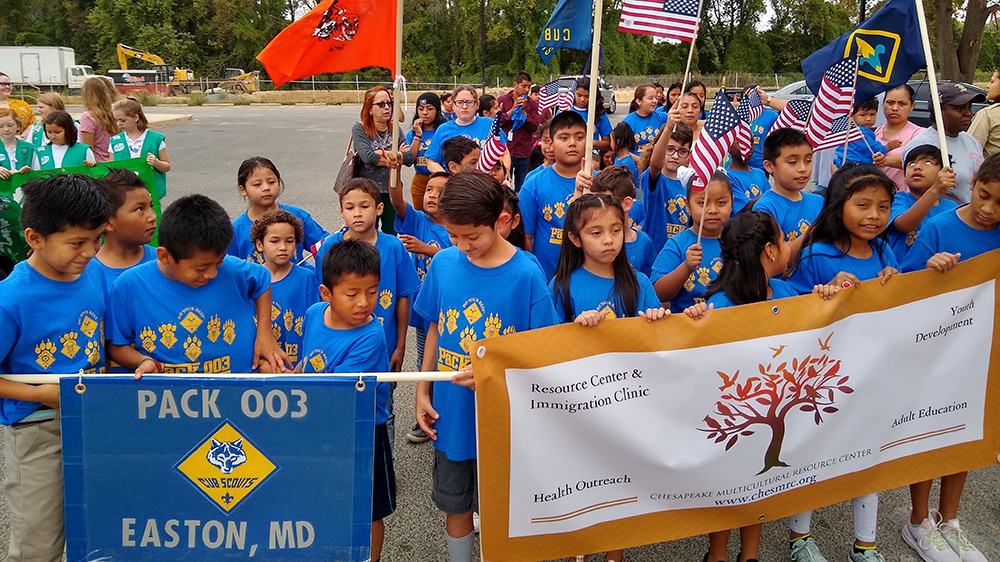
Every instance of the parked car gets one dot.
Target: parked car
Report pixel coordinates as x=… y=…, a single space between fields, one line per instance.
x=794 y=91
x=922 y=113
x=607 y=92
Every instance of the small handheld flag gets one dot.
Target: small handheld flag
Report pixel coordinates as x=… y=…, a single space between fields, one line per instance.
x=793 y=116
x=549 y=96
x=749 y=110
x=834 y=100
x=494 y=148
x=716 y=137
x=671 y=19
x=838 y=132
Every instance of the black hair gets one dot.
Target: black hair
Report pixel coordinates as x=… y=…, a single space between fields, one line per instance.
x=250 y=164
x=747 y=89
x=870 y=104
x=350 y=257
x=622 y=136
x=923 y=151
x=670 y=88
x=566 y=120
x=829 y=224
x=438 y=175
x=694 y=84
x=471 y=198
x=446 y=96
x=57 y=203
x=536 y=158
x=438 y=115
x=361 y=184
x=522 y=76
x=513 y=203
x=486 y=102
x=584 y=84
x=456 y=149
x=571 y=257
x=657 y=85
x=117 y=184
x=908 y=89
x=779 y=139
x=718 y=176
x=65 y=122
x=989 y=172
x=536 y=89
x=742 y=277
x=195 y=223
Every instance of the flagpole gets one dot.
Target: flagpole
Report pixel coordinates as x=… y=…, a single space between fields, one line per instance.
x=595 y=53
x=687 y=68
x=850 y=120
x=397 y=105
x=932 y=79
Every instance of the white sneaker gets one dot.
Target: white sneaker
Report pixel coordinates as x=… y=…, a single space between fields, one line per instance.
x=867 y=555
x=928 y=541
x=805 y=550
x=475 y=522
x=959 y=543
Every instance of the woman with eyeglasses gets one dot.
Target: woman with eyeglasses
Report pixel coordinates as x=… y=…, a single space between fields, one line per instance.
x=466 y=124
x=24 y=115
x=372 y=138
x=426 y=119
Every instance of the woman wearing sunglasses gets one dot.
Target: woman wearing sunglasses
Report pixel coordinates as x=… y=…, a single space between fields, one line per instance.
x=25 y=116
x=466 y=124
x=372 y=138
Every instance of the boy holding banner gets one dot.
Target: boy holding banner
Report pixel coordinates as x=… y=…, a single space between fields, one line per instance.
x=51 y=321
x=479 y=288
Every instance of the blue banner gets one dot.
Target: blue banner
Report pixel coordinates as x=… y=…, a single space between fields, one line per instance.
x=888 y=44
x=171 y=468
x=570 y=27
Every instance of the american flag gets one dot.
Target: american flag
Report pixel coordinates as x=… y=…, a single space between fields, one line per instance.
x=835 y=137
x=549 y=97
x=793 y=116
x=749 y=110
x=716 y=137
x=834 y=99
x=494 y=148
x=672 y=19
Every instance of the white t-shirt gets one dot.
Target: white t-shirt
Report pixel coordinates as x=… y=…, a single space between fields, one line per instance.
x=135 y=146
x=59 y=152
x=966 y=156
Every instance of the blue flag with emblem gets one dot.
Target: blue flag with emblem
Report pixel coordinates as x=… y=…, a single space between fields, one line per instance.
x=888 y=44
x=569 y=27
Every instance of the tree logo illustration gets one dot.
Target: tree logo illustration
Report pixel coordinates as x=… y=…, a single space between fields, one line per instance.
x=808 y=384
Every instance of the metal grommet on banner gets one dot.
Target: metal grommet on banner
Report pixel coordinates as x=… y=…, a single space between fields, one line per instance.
x=481 y=352
x=80 y=387
x=360 y=385
x=761 y=518
x=775 y=309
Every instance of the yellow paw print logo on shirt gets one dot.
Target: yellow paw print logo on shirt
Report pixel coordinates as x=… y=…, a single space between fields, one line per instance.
x=468 y=336
x=452 y=322
x=298 y=325
x=703 y=276
x=276 y=331
x=385 y=298
x=509 y=330
x=192 y=348
x=69 y=345
x=689 y=283
x=492 y=326
x=289 y=317
x=148 y=339
x=560 y=209
x=547 y=212
x=167 y=335
x=440 y=322
x=229 y=331
x=93 y=352
x=46 y=352
x=213 y=329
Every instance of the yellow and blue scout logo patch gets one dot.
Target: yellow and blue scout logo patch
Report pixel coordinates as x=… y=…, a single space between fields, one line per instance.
x=226 y=467
x=877 y=52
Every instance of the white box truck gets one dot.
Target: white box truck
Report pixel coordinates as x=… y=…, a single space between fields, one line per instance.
x=46 y=67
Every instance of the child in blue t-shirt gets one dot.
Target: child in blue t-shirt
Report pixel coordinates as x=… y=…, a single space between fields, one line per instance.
x=260 y=182
x=623 y=145
x=748 y=183
x=927 y=182
x=481 y=288
x=342 y=335
x=546 y=195
x=275 y=235
x=643 y=118
x=683 y=269
x=868 y=150
x=602 y=125
x=202 y=319
x=52 y=310
x=846 y=246
x=666 y=203
x=460 y=154
x=360 y=204
x=788 y=158
x=131 y=227
x=638 y=246
x=944 y=241
x=426 y=119
x=466 y=124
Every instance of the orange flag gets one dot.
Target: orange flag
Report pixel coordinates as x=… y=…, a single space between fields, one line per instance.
x=335 y=36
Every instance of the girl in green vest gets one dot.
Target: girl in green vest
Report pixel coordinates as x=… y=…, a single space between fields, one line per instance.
x=47 y=103
x=136 y=140
x=64 y=151
x=17 y=156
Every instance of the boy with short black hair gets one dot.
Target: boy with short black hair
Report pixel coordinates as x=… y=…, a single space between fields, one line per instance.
x=131 y=227
x=618 y=182
x=868 y=150
x=460 y=154
x=788 y=158
x=479 y=288
x=927 y=182
x=342 y=335
x=545 y=196
x=945 y=240
x=204 y=314
x=663 y=192
x=52 y=309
